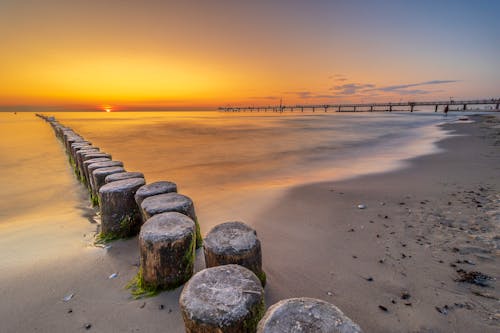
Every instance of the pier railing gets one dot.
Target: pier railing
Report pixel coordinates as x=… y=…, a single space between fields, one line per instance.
x=453 y=105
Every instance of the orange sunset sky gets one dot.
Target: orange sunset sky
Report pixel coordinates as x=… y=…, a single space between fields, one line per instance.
x=160 y=55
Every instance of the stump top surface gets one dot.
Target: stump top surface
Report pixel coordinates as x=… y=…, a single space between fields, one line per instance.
x=122 y=185
x=80 y=144
x=165 y=202
x=123 y=175
x=93 y=154
x=87 y=150
x=103 y=171
x=232 y=237
x=168 y=227
x=157 y=188
x=221 y=295
x=306 y=315
x=104 y=164
x=95 y=160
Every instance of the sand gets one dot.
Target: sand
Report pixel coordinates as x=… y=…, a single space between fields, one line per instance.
x=418 y=222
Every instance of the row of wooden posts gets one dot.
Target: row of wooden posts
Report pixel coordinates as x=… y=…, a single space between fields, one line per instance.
x=227 y=296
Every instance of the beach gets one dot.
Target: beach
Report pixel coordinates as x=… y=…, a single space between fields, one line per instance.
x=390 y=266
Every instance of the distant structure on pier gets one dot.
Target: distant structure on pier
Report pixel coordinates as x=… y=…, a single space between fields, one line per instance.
x=453 y=105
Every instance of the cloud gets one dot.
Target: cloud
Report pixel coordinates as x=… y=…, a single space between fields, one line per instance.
x=350 y=88
x=308 y=94
x=338 y=77
x=398 y=88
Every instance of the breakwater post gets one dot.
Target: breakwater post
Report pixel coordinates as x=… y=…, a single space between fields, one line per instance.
x=234 y=243
x=167 y=245
x=315 y=314
x=225 y=298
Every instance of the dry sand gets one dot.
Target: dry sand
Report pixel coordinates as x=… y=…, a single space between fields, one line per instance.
x=420 y=226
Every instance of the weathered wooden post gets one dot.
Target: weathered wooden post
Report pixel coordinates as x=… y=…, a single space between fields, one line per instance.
x=123 y=175
x=167 y=245
x=155 y=188
x=227 y=299
x=99 y=175
x=234 y=243
x=89 y=159
x=90 y=170
x=79 y=159
x=171 y=202
x=306 y=315
x=120 y=215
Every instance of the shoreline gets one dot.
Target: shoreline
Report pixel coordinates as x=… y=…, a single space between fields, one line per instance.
x=308 y=250
x=414 y=229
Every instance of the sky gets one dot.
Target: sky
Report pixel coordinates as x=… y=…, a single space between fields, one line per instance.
x=176 y=55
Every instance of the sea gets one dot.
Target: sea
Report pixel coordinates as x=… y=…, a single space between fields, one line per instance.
x=232 y=165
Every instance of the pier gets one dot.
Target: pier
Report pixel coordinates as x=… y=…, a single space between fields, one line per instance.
x=453 y=105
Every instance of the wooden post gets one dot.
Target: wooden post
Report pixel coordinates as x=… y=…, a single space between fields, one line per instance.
x=99 y=176
x=234 y=243
x=167 y=244
x=155 y=188
x=171 y=202
x=314 y=314
x=120 y=215
x=225 y=298
x=123 y=175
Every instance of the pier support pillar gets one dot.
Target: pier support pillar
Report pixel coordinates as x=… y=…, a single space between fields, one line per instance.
x=339 y=108
x=326 y=108
x=354 y=109
x=371 y=108
x=436 y=108
x=390 y=108
x=465 y=107
x=411 y=108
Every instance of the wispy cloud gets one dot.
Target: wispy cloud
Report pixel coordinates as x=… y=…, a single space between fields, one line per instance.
x=399 y=88
x=350 y=88
x=308 y=94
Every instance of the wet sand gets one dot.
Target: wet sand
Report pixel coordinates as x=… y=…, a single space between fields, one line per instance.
x=418 y=223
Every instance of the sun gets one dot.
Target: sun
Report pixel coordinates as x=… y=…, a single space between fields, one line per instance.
x=107 y=108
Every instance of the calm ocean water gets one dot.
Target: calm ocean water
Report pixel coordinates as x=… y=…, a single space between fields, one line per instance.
x=231 y=164
x=212 y=154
